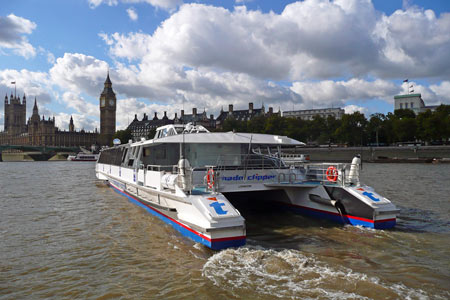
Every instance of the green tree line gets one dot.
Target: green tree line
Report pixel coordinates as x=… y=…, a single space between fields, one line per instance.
x=354 y=129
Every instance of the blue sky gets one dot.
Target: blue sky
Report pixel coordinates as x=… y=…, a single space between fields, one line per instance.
x=166 y=55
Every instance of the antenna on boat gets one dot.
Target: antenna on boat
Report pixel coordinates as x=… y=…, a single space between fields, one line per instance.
x=182 y=144
x=248 y=156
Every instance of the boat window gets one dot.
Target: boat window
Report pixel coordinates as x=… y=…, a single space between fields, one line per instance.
x=124 y=155
x=179 y=129
x=166 y=154
x=200 y=155
x=111 y=156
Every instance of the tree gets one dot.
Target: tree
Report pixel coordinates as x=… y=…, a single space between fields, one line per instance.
x=231 y=124
x=256 y=124
x=404 y=113
x=123 y=135
x=376 y=129
x=405 y=129
x=275 y=125
x=352 y=129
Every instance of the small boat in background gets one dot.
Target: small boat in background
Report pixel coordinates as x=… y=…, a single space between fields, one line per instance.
x=81 y=156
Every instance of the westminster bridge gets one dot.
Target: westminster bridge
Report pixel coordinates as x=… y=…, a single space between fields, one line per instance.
x=32 y=153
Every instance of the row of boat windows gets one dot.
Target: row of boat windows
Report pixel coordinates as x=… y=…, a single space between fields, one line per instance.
x=199 y=155
x=112 y=156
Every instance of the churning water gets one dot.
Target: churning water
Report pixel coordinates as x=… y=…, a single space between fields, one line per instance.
x=64 y=235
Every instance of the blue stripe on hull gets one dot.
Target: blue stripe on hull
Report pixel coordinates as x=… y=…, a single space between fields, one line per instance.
x=342 y=219
x=215 y=245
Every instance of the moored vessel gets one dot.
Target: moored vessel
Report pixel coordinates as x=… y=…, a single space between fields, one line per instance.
x=81 y=156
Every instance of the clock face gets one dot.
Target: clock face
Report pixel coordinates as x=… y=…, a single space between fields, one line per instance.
x=102 y=103
x=111 y=102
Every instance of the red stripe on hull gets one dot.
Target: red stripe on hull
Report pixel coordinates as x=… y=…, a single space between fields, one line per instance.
x=337 y=214
x=181 y=224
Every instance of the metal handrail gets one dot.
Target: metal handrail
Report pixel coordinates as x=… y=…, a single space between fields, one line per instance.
x=318 y=172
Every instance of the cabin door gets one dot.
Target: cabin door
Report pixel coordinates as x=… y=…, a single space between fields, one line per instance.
x=141 y=175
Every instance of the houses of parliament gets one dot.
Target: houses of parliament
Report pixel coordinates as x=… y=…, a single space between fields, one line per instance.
x=37 y=131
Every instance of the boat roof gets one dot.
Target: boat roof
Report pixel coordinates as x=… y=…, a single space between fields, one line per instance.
x=224 y=138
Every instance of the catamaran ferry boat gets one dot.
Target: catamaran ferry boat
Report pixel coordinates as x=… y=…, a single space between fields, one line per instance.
x=189 y=178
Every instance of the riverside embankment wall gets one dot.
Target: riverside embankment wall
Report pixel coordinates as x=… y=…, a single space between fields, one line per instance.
x=376 y=153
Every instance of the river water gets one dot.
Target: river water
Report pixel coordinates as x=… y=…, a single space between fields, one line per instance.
x=64 y=236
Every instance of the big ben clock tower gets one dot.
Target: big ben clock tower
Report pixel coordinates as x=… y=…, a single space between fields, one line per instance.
x=107 y=112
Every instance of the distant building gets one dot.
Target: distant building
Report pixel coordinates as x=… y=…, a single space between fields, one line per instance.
x=308 y=114
x=242 y=115
x=39 y=131
x=143 y=128
x=108 y=104
x=413 y=102
x=196 y=118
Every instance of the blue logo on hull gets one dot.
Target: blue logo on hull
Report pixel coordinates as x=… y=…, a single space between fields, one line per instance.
x=218 y=208
x=371 y=196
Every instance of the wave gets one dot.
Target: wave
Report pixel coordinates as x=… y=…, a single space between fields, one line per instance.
x=293 y=274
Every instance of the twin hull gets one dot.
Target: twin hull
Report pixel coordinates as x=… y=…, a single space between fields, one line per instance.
x=210 y=219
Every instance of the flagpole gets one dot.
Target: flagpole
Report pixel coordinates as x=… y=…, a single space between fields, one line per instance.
x=13 y=82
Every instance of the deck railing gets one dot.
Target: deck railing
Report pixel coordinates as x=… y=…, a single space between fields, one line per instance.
x=331 y=173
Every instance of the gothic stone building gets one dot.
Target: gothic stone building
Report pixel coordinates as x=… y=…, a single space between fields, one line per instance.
x=242 y=115
x=43 y=132
x=145 y=127
x=108 y=104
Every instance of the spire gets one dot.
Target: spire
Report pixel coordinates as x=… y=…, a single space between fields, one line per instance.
x=107 y=81
x=71 y=126
x=107 y=90
x=6 y=98
x=24 y=99
x=35 y=107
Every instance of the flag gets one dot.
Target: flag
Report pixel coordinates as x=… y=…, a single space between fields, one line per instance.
x=13 y=82
x=406 y=80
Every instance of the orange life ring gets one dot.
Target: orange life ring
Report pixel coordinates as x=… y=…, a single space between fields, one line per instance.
x=332 y=174
x=210 y=178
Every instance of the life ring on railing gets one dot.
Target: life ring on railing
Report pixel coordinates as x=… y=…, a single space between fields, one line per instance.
x=332 y=174
x=210 y=178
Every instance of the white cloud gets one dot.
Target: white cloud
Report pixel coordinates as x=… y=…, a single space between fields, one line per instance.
x=132 y=14
x=442 y=92
x=95 y=3
x=12 y=31
x=413 y=42
x=79 y=73
x=311 y=39
x=350 y=109
x=328 y=93
x=33 y=84
x=80 y=122
x=169 y=5
x=75 y=101
x=133 y=46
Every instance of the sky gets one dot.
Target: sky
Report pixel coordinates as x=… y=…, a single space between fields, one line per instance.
x=169 y=55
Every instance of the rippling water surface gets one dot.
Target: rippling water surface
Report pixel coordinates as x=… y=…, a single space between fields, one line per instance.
x=65 y=235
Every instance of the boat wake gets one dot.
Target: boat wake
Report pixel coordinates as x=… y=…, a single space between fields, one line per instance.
x=293 y=274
